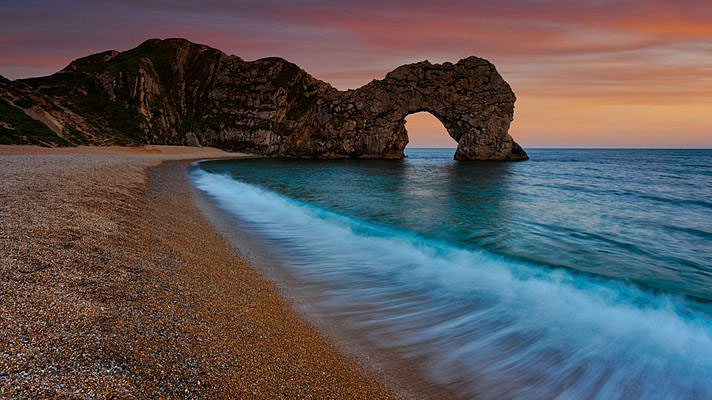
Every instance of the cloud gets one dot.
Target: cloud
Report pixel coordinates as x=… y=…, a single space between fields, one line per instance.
x=603 y=52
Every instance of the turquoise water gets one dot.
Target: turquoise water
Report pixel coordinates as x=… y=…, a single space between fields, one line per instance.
x=579 y=273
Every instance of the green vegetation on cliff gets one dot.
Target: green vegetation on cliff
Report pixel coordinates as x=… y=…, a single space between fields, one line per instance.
x=16 y=127
x=176 y=92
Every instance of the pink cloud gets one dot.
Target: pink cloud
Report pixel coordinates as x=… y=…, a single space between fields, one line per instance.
x=618 y=52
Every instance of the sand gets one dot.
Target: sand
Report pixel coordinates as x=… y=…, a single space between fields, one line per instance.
x=114 y=285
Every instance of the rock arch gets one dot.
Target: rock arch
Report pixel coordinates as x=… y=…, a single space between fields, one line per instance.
x=473 y=102
x=176 y=92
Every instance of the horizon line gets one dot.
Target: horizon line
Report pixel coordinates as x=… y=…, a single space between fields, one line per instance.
x=583 y=148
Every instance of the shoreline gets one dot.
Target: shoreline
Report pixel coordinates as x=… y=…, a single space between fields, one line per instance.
x=114 y=284
x=407 y=377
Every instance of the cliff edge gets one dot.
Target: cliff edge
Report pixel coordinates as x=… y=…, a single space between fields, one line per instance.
x=176 y=92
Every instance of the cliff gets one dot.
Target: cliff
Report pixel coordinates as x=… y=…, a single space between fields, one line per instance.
x=177 y=92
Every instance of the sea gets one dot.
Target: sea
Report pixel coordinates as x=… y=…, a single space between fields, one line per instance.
x=580 y=273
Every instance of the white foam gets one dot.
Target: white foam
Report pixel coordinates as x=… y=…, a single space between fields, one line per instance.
x=498 y=327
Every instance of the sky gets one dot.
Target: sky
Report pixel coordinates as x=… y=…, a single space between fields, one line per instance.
x=597 y=73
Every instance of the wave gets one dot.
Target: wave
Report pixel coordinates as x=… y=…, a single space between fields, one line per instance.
x=487 y=325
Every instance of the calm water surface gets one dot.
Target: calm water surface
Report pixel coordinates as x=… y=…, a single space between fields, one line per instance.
x=579 y=273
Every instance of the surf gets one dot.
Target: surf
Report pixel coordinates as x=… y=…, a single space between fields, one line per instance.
x=489 y=325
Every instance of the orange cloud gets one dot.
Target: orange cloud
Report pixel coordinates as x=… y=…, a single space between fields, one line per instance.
x=603 y=73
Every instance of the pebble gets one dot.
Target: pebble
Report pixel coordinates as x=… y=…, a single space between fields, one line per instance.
x=115 y=286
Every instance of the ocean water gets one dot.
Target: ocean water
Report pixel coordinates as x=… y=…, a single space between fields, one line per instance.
x=577 y=274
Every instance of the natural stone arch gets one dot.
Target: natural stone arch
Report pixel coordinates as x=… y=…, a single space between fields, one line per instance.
x=473 y=102
x=177 y=92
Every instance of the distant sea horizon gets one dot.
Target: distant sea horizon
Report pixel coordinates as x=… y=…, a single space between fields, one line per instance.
x=576 y=148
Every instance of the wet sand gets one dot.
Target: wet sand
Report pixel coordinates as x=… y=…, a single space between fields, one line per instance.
x=113 y=284
x=411 y=377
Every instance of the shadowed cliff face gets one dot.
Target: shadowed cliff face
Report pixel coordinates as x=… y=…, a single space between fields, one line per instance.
x=177 y=92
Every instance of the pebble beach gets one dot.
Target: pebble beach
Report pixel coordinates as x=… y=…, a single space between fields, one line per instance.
x=114 y=285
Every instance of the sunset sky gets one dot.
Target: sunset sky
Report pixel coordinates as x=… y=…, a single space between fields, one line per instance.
x=586 y=74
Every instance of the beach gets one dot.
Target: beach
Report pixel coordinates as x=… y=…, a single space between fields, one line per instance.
x=114 y=285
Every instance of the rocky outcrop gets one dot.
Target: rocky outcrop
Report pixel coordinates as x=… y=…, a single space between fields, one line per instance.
x=177 y=92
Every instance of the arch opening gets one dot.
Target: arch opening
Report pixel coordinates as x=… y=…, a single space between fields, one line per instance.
x=426 y=131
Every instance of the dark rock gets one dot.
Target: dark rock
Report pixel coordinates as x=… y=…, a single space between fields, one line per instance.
x=177 y=92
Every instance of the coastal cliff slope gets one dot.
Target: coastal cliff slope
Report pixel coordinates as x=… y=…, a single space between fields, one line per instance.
x=176 y=92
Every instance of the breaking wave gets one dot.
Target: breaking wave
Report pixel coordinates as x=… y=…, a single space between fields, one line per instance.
x=487 y=325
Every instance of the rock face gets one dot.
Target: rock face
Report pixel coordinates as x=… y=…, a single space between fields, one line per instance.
x=177 y=92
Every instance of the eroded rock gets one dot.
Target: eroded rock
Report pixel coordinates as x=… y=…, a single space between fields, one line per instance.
x=177 y=92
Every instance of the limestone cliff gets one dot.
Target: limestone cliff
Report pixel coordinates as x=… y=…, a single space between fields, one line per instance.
x=177 y=92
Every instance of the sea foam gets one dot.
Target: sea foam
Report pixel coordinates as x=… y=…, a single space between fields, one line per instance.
x=488 y=325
